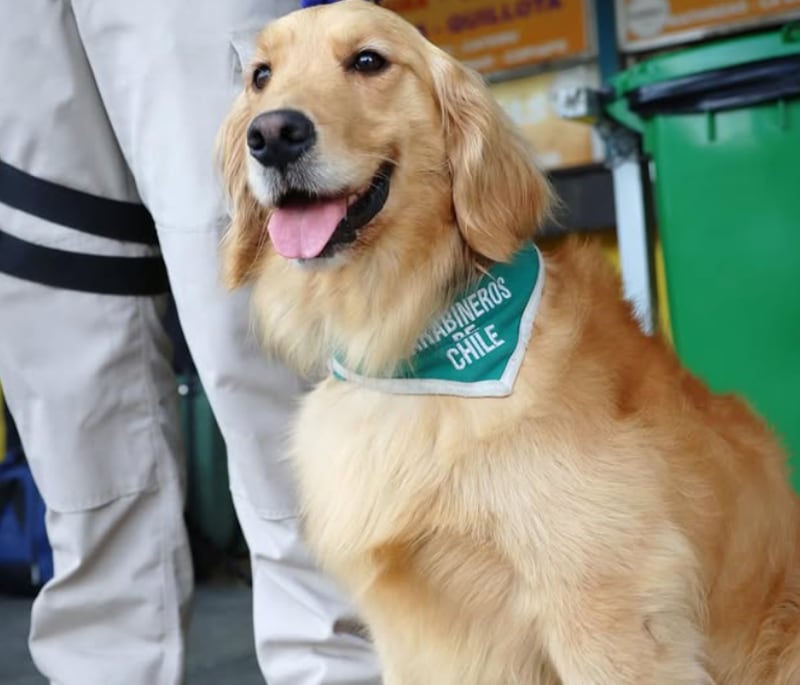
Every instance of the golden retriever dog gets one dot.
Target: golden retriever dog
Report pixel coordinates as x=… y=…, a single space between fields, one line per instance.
x=602 y=519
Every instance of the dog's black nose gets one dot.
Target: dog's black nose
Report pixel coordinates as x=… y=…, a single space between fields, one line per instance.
x=277 y=138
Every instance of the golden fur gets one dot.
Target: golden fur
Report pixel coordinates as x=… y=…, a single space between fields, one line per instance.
x=611 y=522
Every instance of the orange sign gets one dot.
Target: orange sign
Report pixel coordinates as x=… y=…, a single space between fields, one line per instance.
x=651 y=23
x=500 y=36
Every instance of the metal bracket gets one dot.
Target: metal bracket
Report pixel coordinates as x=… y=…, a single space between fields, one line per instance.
x=623 y=157
x=587 y=106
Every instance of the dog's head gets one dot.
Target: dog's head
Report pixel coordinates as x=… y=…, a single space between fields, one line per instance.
x=355 y=136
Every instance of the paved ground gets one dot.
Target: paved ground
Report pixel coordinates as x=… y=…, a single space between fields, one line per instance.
x=220 y=643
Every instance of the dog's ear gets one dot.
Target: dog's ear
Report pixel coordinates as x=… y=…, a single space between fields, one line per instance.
x=499 y=196
x=245 y=238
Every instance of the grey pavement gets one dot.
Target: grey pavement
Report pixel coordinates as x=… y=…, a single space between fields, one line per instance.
x=220 y=650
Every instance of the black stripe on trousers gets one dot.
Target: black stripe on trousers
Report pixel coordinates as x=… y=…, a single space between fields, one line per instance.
x=100 y=216
x=92 y=214
x=105 y=275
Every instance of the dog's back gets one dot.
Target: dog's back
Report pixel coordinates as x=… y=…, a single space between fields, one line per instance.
x=723 y=469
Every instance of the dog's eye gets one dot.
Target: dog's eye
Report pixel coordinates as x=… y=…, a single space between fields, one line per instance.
x=368 y=62
x=261 y=75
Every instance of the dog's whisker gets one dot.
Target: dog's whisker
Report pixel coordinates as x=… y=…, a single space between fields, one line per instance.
x=380 y=159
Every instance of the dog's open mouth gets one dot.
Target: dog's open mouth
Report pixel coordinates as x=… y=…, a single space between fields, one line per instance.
x=303 y=226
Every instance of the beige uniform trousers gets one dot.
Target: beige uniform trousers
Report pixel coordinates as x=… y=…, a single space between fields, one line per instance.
x=122 y=99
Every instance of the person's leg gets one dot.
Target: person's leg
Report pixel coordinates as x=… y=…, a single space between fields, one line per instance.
x=168 y=71
x=88 y=380
x=81 y=374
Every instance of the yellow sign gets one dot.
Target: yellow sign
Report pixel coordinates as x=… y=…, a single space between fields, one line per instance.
x=529 y=102
x=499 y=36
x=651 y=23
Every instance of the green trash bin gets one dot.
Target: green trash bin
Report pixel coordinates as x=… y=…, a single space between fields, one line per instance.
x=721 y=123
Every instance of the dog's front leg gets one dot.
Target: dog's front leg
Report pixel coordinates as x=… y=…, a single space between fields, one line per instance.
x=631 y=657
x=397 y=677
x=397 y=670
x=642 y=624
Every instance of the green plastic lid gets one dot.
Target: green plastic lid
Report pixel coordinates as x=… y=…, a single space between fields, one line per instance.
x=717 y=75
x=720 y=54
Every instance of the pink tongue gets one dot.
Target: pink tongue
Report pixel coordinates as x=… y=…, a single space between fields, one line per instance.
x=303 y=232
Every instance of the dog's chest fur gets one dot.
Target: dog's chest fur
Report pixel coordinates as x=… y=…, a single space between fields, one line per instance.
x=370 y=465
x=386 y=484
x=446 y=511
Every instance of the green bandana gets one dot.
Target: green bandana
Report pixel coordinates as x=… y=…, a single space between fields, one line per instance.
x=476 y=347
